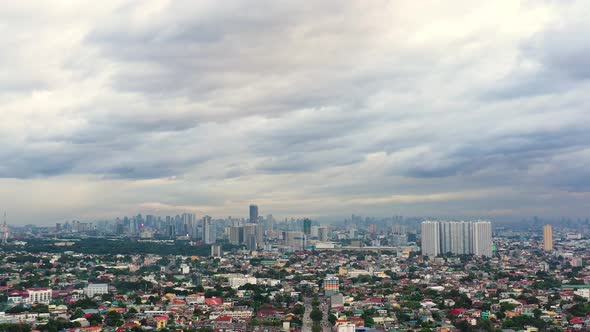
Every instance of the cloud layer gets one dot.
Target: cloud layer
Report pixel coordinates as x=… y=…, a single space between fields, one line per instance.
x=336 y=107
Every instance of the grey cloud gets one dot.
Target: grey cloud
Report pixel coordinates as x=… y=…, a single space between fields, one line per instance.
x=556 y=59
x=246 y=63
x=329 y=100
x=563 y=49
x=513 y=152
x=307 y=161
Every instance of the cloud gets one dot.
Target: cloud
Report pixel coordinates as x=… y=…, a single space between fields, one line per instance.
x=325 y=109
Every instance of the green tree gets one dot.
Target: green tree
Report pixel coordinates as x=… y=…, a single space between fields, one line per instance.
x=55 y=325
x=486 y=325
x=85 y=304
x=113 y=318
x=332 y=319
x=316 y=314
x=299 y=310
x=505 y=306
x=95 y=319
x=78 y=313
x=15 y=328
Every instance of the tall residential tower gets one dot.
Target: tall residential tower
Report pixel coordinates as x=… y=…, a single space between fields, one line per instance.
x=457 y=238
x=547 y=238
x=430 y=238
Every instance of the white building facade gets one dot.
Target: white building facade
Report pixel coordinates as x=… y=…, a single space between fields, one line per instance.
x=39 y=295
x=457 y=238
x=430 y=238
x=96 y=289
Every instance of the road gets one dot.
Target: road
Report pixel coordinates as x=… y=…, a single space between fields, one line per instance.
x=308 y=323
x=325 y=307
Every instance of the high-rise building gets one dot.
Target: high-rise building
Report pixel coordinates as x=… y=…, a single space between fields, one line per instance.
x=249 y=237
x=372 y=229
x=209 y=231
x=253 y=214
x=260 y=235
x=482 y=238
x=331 y=285
x=307 y=226
x=457 y=238
x=547 y=238
x=236 y=235
x=323 y=233
x=188 y=226
x=295 y=240
x=430 y=238
x=269 y=223
x=170 y=230
x=251 y=242
x=216 y=250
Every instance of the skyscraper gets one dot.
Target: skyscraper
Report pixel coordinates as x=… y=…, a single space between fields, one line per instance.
x=253 y=213
x=307 y=226
x=236 y=235
x=457 y=238
x=216 y=250
x=547 y=238
x=296 y=240
x=430 y=238
x=249 y=237
x=481 y=238
x=323 y=233
x=209 y=231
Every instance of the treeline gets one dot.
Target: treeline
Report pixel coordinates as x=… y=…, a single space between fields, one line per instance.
x=14 y=328
x=103 y=246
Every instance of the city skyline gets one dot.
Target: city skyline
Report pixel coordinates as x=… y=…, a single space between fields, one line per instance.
x=459 y=110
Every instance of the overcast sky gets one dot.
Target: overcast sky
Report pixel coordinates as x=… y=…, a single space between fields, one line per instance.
x=313 y=108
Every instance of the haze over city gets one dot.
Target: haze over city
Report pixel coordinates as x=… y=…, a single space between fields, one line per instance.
x=380 y=108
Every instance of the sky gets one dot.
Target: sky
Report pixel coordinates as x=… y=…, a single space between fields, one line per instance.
x=319 y=109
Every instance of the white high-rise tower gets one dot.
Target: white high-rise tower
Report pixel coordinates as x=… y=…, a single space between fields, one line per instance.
x=457 y=238
x=430 y=238
x=482 y=238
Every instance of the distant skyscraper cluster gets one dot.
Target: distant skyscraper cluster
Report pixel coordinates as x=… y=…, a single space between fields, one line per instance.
x=186 y=224
x=250 y=234
x=457 y=238
x=253 y=232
